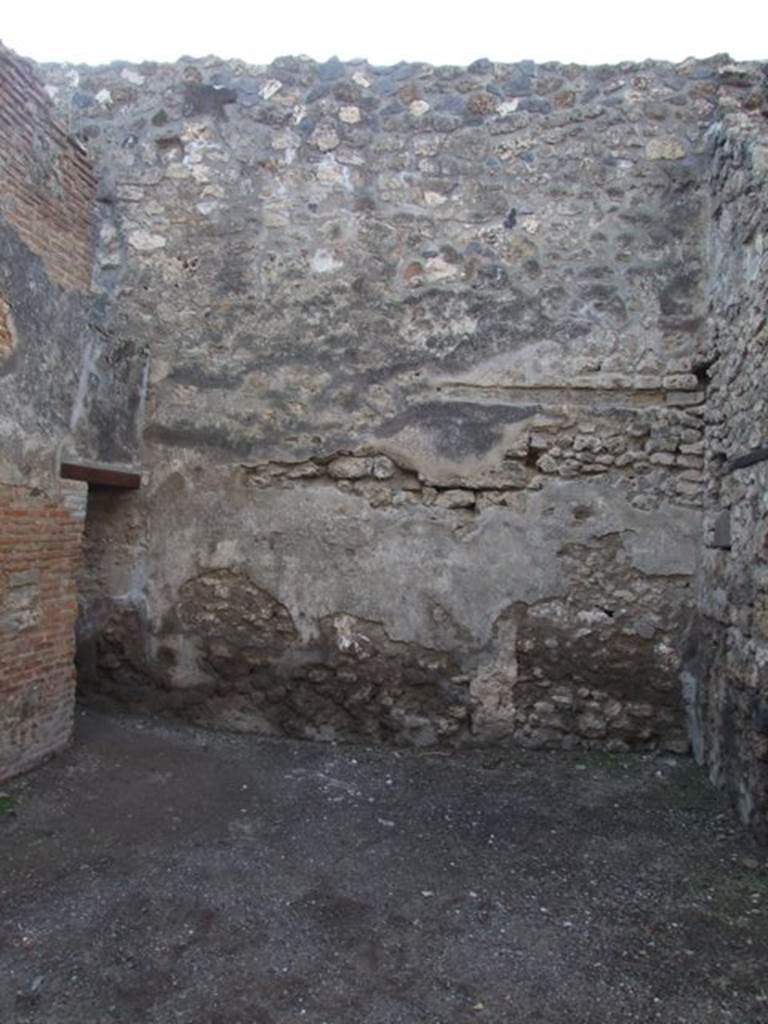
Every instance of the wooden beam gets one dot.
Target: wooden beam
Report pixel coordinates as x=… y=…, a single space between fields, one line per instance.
x=103 y=476
x=749 y=459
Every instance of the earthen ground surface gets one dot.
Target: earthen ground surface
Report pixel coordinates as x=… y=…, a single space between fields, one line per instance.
x=157 y=874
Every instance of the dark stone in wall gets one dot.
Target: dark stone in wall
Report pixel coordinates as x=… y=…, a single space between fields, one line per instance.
x=207 y=100
x=459 y=429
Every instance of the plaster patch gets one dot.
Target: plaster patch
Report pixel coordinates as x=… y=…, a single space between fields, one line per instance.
x=270 y=88
x=324 y=262
x=145 y=241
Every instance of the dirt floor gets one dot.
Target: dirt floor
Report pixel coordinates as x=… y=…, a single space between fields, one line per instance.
x=157 y=874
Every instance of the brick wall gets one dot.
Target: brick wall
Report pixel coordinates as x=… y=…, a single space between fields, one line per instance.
x=46 y=244
x=47 y=188
x=40 y=543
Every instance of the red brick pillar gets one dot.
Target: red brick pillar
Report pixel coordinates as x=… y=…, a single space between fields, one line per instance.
x=40 y=545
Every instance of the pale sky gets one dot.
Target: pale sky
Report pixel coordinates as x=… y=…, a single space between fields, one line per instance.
x=437 y=31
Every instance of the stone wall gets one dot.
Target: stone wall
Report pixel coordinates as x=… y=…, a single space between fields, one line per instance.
x=424 y=428
x=727 y=675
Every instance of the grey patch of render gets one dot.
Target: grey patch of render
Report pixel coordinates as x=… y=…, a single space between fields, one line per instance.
x=40 y=376
x=65 y=387
x=20 y=600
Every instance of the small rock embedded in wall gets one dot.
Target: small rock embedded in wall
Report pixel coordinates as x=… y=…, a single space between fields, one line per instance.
x=7 y=338
x=722 y=532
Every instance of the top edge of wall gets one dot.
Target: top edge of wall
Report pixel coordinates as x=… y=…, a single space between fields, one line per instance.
x=482 y=65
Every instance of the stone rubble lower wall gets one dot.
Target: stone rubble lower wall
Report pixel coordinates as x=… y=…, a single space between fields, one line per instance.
x=418 y=623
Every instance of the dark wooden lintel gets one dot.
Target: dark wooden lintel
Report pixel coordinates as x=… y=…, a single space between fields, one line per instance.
x=749 y=459
x=101 y=475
